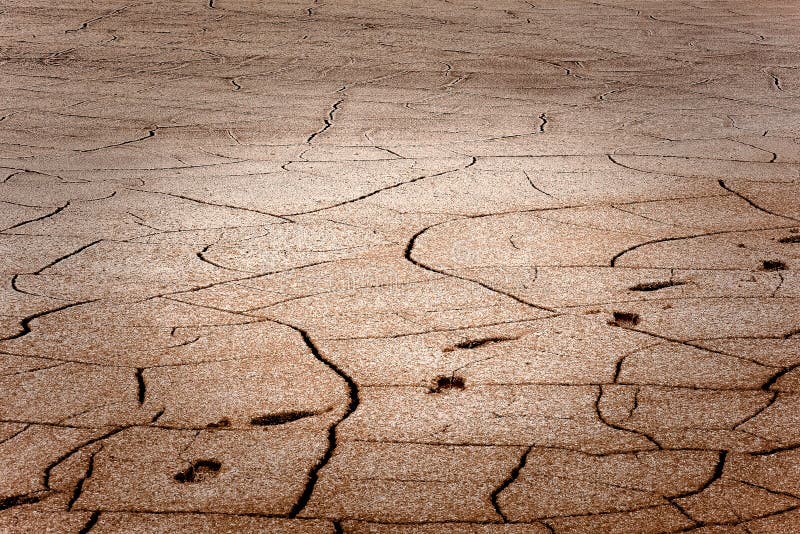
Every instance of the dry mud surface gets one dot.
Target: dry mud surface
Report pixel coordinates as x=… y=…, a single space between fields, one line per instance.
x=400 y=267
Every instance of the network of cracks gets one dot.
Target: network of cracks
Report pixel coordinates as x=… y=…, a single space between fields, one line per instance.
x=443 y=267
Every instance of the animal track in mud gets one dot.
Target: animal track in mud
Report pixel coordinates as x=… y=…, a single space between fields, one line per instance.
x=222 y=423
x=794 y=238
x=198 y=471
x=445 y=382
x=773 y=265
x=281 y=418
x=655 y=286
x=625 y=319
x=476 y=343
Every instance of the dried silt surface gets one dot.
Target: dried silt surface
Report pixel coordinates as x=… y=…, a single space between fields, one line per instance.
x=400 y=267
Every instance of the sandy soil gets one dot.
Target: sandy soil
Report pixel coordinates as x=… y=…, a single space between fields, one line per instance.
x=400 y=267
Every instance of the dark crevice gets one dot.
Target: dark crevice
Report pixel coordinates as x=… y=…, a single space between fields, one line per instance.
x=141 y=387
x=76 y=494
x=90 y=523
x=18 y=500
x=67 y=256
x=41 y=218
x=327 y=122
x=26 y=322
x=350 y=407
x=61 y=459
x=512 y=476
x=201 y=257
x=773 y=397
x=777 y=376
x=15 y=287
x=719 y=467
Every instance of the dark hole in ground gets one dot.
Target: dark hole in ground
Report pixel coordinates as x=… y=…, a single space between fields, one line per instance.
x=795 y=238
x=773 y=265
x=198 y=471
x=444 y=382
x=654 y=286
x=625 y=319
x=222 y=423
x=280 y=418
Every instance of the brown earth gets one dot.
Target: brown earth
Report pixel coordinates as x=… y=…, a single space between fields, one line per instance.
x=400 y=267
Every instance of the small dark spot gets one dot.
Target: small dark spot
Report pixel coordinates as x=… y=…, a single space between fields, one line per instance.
x=773 y=265
x=198 y=471
x=740 y=245
x=17 y=500
x=654 y=286
x=475 y=343
x=625 y=319
x=790 y=239
x=280 y=418
x=444 y=382
x=222 y=423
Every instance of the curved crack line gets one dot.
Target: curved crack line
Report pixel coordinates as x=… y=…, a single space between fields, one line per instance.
x=472 y=162
x=618 y=255
x=753 y=204
x=150 y=133
x=117 y=11
x=207 y=203
x=90 y=523
x=614 y=426
x=45 y=216
x=328 y=122
x=64 y=457
x=26 y=322
x=76 y=494
x=15 y=287
x=512 y=476
x=67 y=256
x=351 y=406
x=409 y=256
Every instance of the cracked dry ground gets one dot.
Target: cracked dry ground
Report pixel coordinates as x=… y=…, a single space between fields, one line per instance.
x=458 y=266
